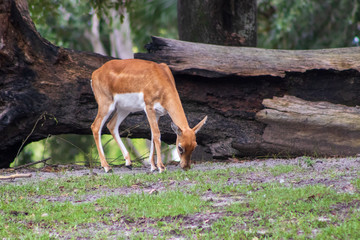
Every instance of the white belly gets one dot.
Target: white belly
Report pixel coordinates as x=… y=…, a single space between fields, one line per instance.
x=134 y=102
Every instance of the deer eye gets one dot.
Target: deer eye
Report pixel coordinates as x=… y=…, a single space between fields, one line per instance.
x=181 y=150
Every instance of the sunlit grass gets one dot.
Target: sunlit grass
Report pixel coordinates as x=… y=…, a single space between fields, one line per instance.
x=81 y=150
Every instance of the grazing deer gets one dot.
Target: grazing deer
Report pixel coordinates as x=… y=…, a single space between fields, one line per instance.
x=126 y=86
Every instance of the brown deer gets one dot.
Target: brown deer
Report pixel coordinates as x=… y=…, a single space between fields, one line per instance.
x=126 y=86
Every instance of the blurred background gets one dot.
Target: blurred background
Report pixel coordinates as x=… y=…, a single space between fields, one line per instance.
x=121 y=28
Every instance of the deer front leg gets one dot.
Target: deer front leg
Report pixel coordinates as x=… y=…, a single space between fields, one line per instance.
x=151 y=155
x=155 y=133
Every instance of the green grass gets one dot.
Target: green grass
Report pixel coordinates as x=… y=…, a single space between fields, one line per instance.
x=357 y=182
x=178 y=208
x=169 y=203
x=285 y=212
x=23 y=214
x=283 y=169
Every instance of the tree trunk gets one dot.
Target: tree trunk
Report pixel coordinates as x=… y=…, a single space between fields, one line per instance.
x=94 y=36
x=45 y=90
x=120 y=38
x=221 y=22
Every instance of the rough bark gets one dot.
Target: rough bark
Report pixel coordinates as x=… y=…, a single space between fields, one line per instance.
x=313 y=128
x=211 y=61
x=221 y=22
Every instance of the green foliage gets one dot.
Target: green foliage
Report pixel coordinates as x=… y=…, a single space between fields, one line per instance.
x=80 y=149
x=70 y=149
x=152 y=18
x=40 y=10
x=65 y=22
x=306 y=24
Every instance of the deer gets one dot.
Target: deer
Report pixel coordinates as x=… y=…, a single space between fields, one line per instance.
x=125 y=86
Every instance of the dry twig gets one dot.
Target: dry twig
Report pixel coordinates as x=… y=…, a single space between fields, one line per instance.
x=18 y=175
x=30 y=164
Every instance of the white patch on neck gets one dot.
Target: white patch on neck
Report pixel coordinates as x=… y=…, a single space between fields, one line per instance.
x=160 y=110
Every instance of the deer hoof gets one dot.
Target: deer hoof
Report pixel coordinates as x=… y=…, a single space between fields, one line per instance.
x=108 y=169
x=129 y=166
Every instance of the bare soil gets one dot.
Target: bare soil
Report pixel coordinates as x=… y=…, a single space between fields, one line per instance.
x=334 y=172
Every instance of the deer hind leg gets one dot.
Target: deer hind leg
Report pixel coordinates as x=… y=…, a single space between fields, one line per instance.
x=155 y=133
x=113 y=126
x=104 y=111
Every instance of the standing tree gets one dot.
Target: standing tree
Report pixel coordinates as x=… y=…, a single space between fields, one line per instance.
x=221 y=22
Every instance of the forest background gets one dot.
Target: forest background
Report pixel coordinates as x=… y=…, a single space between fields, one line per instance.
x=119 y=29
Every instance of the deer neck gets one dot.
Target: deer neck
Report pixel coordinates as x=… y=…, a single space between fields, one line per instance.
x=177 y=114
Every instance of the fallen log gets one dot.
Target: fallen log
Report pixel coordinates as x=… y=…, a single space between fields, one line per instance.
x=232 y=85
x=311 y=128
x=205 y=60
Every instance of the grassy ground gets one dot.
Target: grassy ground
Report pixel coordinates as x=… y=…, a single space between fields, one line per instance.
x=274 y=199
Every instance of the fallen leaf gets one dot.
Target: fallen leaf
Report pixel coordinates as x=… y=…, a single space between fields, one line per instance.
x=233 y=160
x=48 y=169
x=349 y=188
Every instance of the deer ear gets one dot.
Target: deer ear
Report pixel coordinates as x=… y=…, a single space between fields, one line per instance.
x=199 y=125
x=176 y=129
